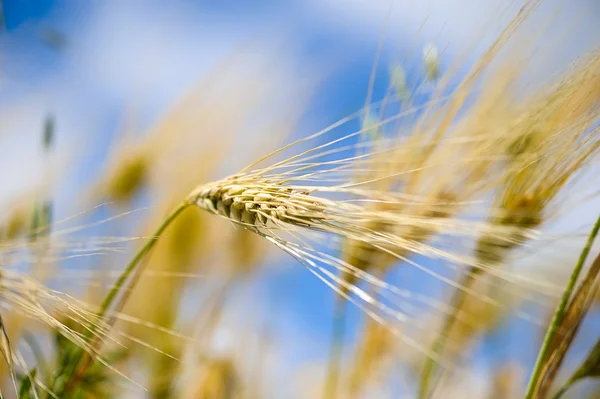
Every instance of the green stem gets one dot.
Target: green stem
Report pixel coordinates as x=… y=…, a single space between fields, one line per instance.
x=563 y=389
x=559 y=315
x=110 y=297
x=457 y=302
x=83 y=359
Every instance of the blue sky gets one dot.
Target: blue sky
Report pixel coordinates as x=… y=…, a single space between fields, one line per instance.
x=299 y=305
x=88 y=85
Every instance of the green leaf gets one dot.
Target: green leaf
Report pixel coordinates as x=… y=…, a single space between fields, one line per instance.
x=26 y=384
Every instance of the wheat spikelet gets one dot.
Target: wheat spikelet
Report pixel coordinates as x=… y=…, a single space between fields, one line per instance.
x=128 y=175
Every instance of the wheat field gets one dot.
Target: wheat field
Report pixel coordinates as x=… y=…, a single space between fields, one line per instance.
x=367 y=199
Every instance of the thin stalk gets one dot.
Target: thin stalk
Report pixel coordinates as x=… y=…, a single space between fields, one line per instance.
x=456 y=303
x=110 y=297
x=83 y=358
x=337 y=349
x=559 y=314
x=562 y=390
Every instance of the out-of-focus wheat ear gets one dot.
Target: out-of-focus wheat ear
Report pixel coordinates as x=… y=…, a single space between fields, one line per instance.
x=542 y=164
x=491 y=251
x=42 y=212
x=375 y=346
x=367 y=257
x=461 y=302
x=220 y=381
x=506 y=383
x=431 y=62
x=16 y=224
x=372 y=260
x=128 y=176
x=134 y=159
x=478 y=316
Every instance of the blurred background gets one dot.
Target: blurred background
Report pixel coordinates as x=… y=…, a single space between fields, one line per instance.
x=112 y=111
